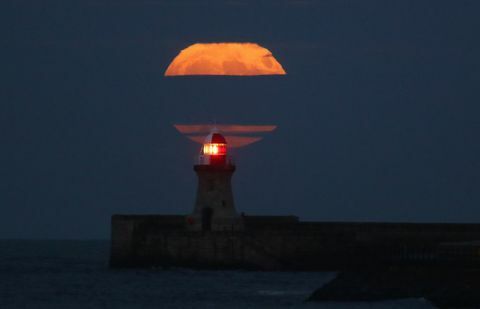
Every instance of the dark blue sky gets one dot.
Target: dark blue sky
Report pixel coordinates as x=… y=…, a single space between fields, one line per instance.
x=379 y=116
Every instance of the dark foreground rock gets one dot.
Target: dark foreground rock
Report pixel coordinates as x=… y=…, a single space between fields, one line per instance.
x=450 y=288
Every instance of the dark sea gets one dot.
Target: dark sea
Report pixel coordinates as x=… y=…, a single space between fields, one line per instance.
x=75 y=274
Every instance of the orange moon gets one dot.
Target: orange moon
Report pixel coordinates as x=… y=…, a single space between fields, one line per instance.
x=236 y=59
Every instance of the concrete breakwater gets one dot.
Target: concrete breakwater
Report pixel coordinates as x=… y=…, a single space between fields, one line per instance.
x=285 y=243
x=443 y=287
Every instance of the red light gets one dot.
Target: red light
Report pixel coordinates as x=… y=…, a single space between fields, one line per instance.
x=214 y=149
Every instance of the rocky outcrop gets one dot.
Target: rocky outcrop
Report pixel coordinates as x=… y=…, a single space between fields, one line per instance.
x=445 y=288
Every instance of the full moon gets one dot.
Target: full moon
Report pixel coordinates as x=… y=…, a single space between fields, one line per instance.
x=235 y=59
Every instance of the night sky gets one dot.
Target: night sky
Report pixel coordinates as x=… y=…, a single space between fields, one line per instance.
x=378 y=118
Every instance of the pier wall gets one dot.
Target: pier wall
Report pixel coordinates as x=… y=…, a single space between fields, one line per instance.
x=284 y=243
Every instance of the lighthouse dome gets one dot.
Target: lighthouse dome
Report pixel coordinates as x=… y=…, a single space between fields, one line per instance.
x=215 y=138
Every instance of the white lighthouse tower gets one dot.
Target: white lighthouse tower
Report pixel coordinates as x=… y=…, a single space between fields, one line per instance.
x=214 y=205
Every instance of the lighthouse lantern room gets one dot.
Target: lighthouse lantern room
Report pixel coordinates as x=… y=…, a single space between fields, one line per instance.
x=214 y=150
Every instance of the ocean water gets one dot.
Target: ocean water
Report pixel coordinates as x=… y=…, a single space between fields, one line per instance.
x=75 y=274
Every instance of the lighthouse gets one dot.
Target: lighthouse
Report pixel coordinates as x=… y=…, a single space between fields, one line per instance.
x=214 y=208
